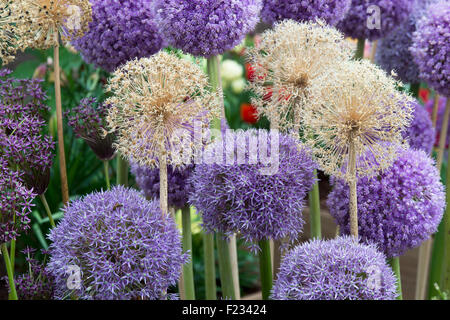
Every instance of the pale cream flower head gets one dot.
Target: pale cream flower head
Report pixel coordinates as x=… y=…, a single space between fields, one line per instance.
x=155 y=101
x=43 y=22
x=289 y=57
x=356 y=102
x=8 y=32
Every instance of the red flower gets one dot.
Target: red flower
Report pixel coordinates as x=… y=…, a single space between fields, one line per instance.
x=249 y=113
x=424 y=94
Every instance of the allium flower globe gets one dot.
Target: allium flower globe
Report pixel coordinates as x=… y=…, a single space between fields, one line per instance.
x=8 y=33
x=206 y=27
x=120 y=243
x=420 y=134
x=337 y=269
x=398 y=209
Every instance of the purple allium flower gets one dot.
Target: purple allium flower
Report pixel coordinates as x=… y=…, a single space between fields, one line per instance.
x=362 y=18
x=120 y=31
x=420 y=134
x=206 y=27
x=337 y=269
x=88 y=121
x=398 y=209
x=331 y=11
x=179 y=188
x=15 y=203
x=123 y=247
x=440 y=116
x=431 y=47
x=236 y=197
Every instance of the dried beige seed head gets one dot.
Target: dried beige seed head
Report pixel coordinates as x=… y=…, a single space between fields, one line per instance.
x=42 y=22
x=289 y=57
x=8 y=32
x=155 y=101
x=356 y=102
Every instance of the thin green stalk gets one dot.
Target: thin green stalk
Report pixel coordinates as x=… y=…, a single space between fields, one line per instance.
x=47 y=209
x=225 y=267
x=314 y=210
x=395 y=264
x=265 y=268
x=359 y=54
x=210 y=266
x=446 y=222
x=414 y=89
x=188 y=271
x=437 y=263
x=106 y=170
x=12 y=258
x=122 y=171
x=12 y=285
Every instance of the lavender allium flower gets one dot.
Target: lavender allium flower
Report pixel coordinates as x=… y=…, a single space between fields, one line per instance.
x=331 y=11
x=179 y=188
x=398 y=209
x=420 y=134
x=122 y=246
x=88 y=121
x=362 y=18
x=120 y=31
x=431 y=47
x=440 y=116
x=236 y=197
x=206 y=28
x=337 y=269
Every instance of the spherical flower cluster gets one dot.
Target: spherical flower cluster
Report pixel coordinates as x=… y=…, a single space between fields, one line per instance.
x=179 y=188
x=122 y=246
x=398 y=209
x=440 y=116
x=206 y=28
x=240 y=193
x=8 y=33
x=337 y=269
x=88 y=121
x=120 y=31
x=420 y=134
x=431 y=47
x=330 y=11
x=374 y=19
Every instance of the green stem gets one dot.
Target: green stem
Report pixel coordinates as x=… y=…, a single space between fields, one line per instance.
x=265 y=268
x=47 y=209
x=12 y=286
x=437 y=262
x=106 y=170
x=12 y=258
x=446 y=222
x=359 y=54
x=188 y=271
x=122 y=171
x=395 y=264
x=216 y=84
x=314 y=210
x=210 y=266
x=414 y=89
x=225 y=267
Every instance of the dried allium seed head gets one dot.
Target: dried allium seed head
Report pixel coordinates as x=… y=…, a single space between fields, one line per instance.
x=289 y=58
x=356 y=102
x=156 y=102
x=45 y=20
x=8 y=32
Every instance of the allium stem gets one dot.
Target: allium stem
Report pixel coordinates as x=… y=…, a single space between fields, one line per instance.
x=47 y=210
x=225 y=267
x=395 y=264
x=277 y=256
x=188 y=270
x=210 y=266
x=265 y=268
x=59 y=117
x=163 y=187
x=373 y=51
x=353 y=195
x=435 y=110
x=437 y=263
x=360 y=49
x=12 y=286
x=314 y=210
x=235 y=266
x=122 y=171
x=106 y=169
x=443 y=135
x=216 y=83
x=414 y=89
x=446 y=221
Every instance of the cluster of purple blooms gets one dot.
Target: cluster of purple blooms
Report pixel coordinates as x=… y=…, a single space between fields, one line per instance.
x=123 y=246
x=331 y=11
x=337 y=269
x=120 y=31
x=88 y=121
x=420 y=134
x=398 y=209
x=205 y=27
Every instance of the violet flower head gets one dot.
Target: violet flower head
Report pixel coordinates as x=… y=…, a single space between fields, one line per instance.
x=179 y=188
x=398 y=209
x=337 y=269
x=420 y=134
x=330 y=11
x=431 y=47
x=206 y=27
x=238 y=197
x=374 y=19
x=440 y=116
x=120 y=31
x=88 y=121
x=120 y=243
